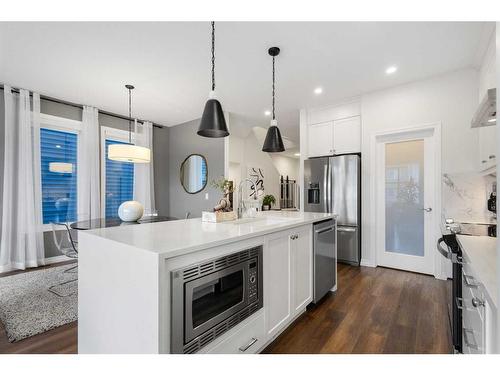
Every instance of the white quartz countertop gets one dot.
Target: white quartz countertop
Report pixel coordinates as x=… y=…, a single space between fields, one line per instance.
x=481 y=252
x=180 y=237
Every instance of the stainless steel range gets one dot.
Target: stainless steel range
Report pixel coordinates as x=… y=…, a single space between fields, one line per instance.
x=210 y=298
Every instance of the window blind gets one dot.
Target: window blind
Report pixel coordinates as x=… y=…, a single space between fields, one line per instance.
x=59 y=175
x=119 y=182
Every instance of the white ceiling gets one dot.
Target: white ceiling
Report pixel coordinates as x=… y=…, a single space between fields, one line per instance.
x=168 y=63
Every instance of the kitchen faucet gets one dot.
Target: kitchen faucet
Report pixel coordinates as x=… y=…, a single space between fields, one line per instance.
x=241 y=204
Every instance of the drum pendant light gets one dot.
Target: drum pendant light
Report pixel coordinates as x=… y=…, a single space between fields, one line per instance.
x=129 y=152
x=213 y=123
x=273 y=141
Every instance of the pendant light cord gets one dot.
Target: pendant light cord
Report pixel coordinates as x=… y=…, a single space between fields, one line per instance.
x=213 y=56
x=129 y=115
x=274 y=116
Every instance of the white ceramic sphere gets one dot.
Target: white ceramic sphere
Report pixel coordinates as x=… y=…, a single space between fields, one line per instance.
x=130 y=211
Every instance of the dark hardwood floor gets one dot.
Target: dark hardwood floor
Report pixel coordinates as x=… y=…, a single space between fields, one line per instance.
x=376 y=310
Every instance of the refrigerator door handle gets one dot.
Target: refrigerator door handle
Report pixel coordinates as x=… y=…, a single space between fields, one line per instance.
x=329 y=182
x=325 y=188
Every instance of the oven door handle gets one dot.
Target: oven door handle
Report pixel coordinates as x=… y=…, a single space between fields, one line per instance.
x=444 y=252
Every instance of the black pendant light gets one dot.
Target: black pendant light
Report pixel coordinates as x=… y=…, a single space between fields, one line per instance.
x=273 y=141
x=213 y=123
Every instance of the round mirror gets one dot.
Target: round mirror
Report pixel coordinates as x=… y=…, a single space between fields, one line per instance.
x=194 y=173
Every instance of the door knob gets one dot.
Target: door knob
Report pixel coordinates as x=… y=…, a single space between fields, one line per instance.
x=428 y=209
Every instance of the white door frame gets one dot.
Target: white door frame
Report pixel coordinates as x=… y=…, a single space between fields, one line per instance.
x=377 y=175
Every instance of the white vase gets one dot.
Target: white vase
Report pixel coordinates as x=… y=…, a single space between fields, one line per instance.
x=130 y=211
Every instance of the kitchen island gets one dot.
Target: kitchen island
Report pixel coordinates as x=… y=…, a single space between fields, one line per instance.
x=127 y=277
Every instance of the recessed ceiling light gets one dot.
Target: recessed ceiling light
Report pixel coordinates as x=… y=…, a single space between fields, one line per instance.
x=391 y=69
x=297 y=154
x=492 y=120
x=318 y=90
x=58 y=146
x=267 y=113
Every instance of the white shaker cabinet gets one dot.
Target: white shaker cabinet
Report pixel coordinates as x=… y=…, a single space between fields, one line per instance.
x=288 y=276
x=302 y=262
x=334 y=137
x=277 y=276
x=487 y=147
x=347 y=135
x=320 y=139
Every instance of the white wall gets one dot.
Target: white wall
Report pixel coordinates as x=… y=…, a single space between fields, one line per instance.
x=286 y=166
x=465 y=194
x=247 y=152
x=448 y=99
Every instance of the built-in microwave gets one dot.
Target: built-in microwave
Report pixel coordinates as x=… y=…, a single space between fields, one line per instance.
x=210 y=298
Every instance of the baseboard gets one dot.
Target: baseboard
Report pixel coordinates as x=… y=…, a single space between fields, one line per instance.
x=40 y=263
x=57 y=259
x=367 y=263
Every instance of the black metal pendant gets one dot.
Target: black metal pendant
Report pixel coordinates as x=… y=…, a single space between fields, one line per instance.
x=213 y=123
x=273 y=141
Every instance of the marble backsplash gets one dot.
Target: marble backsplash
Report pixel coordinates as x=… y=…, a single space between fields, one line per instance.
x=464 y=197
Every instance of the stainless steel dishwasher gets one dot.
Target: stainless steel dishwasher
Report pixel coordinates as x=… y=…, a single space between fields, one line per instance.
x=325 y=258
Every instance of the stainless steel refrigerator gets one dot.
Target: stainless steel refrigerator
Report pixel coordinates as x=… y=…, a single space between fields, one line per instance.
x=333 y=184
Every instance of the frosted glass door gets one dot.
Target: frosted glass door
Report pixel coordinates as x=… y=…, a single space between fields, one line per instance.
x=404 y=197
x=406 y=192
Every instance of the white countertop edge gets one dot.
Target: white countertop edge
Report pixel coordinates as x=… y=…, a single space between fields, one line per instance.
x=180 y=251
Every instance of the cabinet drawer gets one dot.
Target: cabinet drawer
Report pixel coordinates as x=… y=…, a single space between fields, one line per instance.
x=472 y=319
x=472 y=292
x=248 y=339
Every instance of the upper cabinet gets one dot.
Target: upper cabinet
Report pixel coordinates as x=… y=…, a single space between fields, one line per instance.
x=332 y=130
x=320 y=139
x=487 y=148
x=334 y=137
x=347 y=135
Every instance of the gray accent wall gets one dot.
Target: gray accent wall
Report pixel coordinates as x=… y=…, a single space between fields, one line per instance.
x=161 y=167
x=184 y=141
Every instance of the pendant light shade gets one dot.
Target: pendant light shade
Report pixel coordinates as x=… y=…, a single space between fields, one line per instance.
x=59 y=167
x=129 y=153
x=213 y=123
x=273 y=141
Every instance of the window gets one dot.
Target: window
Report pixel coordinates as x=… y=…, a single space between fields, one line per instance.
x=59 y=175
x=119 y=179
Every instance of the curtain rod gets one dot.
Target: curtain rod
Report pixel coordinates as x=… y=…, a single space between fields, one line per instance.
x=54 y=100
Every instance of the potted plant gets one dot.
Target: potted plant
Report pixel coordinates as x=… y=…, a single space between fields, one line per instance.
x=267 y=202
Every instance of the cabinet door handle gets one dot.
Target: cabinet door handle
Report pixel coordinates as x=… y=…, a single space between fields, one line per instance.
x=474 y=345
x=470 y=284
x=476 y=302
x=483 y=161
x=492 y=157
x=247 y=346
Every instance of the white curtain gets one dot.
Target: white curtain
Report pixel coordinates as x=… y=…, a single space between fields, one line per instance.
x=89 y=197
x=143 y=173
x=21 y=237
